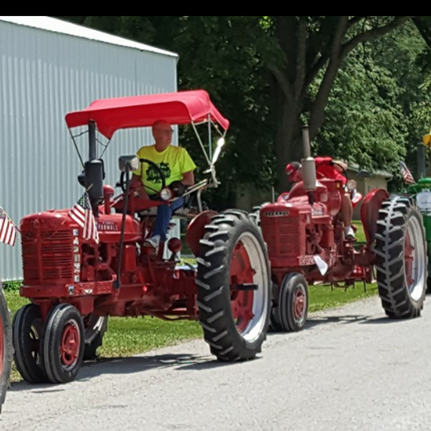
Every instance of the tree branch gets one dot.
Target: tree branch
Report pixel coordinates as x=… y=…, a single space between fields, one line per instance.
x=374 y=33
x=423 y=28
x=301 y=56
x=316 y=115
x=283 y=82
x=353 y=21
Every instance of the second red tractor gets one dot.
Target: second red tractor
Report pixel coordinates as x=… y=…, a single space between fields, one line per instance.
x=306 y=243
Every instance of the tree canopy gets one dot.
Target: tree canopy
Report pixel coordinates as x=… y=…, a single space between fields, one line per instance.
x=356 y=81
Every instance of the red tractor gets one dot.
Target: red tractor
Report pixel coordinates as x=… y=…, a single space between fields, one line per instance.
x=73 y=282
x=306 y=244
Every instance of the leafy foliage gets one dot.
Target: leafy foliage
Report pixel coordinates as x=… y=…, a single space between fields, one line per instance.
x=355 y=80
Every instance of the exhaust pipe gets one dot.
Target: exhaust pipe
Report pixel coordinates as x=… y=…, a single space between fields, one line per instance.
x=308 y=166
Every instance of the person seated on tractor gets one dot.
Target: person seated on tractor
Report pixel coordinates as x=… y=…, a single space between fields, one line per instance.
x=326 y=167
x=177 y=167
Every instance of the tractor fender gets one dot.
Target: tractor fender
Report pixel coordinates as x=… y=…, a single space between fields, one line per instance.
x=196 y=230
x=370 y=212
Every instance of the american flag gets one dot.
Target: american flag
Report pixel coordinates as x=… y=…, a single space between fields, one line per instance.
x=407 y=175
x=83 y=215
x=7 y=229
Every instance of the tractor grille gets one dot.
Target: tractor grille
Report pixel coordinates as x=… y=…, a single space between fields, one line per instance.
x=47 y=256
x=284 y=236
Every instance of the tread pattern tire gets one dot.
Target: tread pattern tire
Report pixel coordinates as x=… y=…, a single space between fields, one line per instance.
x=27 y=328
x=292 y=285
x=217 y=247
x=91 y=346
x=6 y=351
x=60 y=316
x=397 y=216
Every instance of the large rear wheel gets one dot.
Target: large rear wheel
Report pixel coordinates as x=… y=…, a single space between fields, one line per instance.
x=234 y=294
x=5 y=347
x=401 y=261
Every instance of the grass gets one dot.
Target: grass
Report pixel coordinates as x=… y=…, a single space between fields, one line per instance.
x=129 y=336
x=360 y=234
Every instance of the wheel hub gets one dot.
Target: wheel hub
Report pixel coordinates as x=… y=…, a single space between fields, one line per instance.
x=299 y=304
x=69 y=346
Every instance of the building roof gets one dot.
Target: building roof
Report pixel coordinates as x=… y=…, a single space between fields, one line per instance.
x=64 y=27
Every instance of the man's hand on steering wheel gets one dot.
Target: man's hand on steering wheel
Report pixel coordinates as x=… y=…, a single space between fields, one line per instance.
x=141 y=191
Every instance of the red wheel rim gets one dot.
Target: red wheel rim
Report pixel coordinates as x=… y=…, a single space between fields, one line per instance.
x=70 y=344
x=241 y=272
x=299 y=304
x=408 y=259
x=2 y=345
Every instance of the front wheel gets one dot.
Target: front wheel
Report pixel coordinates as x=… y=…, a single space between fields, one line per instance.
x=290 y=315
x=27 y=331
x=234 y=295
x=95 y=328
x=401 y=261
x=5 y=347
x=63 y=343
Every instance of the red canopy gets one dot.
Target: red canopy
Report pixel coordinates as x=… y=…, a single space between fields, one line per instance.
x=182 y=107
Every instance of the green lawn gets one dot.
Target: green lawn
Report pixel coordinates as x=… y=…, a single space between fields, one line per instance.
x=360 y=235
x=128 y=336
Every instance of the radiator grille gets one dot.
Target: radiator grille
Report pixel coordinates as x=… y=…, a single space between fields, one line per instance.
x=47 y=256
x=283 y=235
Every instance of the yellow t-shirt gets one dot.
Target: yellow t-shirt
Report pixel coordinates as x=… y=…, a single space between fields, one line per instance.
x=173 y=162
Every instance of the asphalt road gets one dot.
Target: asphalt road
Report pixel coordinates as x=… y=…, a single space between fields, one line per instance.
x=350 y=369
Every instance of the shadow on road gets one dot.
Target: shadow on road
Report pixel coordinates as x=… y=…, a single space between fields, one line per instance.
x=312 y=322
x=186 y=361
x=128 y=365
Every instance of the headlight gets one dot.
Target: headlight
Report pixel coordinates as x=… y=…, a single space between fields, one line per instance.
x=166 y=194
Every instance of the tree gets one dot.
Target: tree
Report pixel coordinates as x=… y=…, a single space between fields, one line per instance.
x=271 y=74
x=309 y=45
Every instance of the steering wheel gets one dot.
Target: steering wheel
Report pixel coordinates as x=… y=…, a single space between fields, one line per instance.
x=156 y=168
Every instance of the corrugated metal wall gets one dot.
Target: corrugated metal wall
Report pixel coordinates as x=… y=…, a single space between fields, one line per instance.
x=43 y=76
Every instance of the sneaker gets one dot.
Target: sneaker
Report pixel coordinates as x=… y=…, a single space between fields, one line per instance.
x=153 y=242
x=349 y=232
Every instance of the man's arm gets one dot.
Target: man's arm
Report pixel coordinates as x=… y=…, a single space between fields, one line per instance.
x=136 y=184
x=188 y=178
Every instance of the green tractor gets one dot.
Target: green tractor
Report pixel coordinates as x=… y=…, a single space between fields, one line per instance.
x=421 y=191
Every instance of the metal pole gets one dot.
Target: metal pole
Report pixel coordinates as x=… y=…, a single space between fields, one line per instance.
x=92 y=154
x=421 y=160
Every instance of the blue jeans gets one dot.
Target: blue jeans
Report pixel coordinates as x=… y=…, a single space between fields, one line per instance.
x=164 y=214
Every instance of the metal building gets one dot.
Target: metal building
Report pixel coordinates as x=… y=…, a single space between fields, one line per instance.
x=49 y=67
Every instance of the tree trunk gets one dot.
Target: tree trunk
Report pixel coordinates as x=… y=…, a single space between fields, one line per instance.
x=287 y=145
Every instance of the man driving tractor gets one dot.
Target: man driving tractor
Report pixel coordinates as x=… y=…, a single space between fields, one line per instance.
x=326 y=167
x=177 y=167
